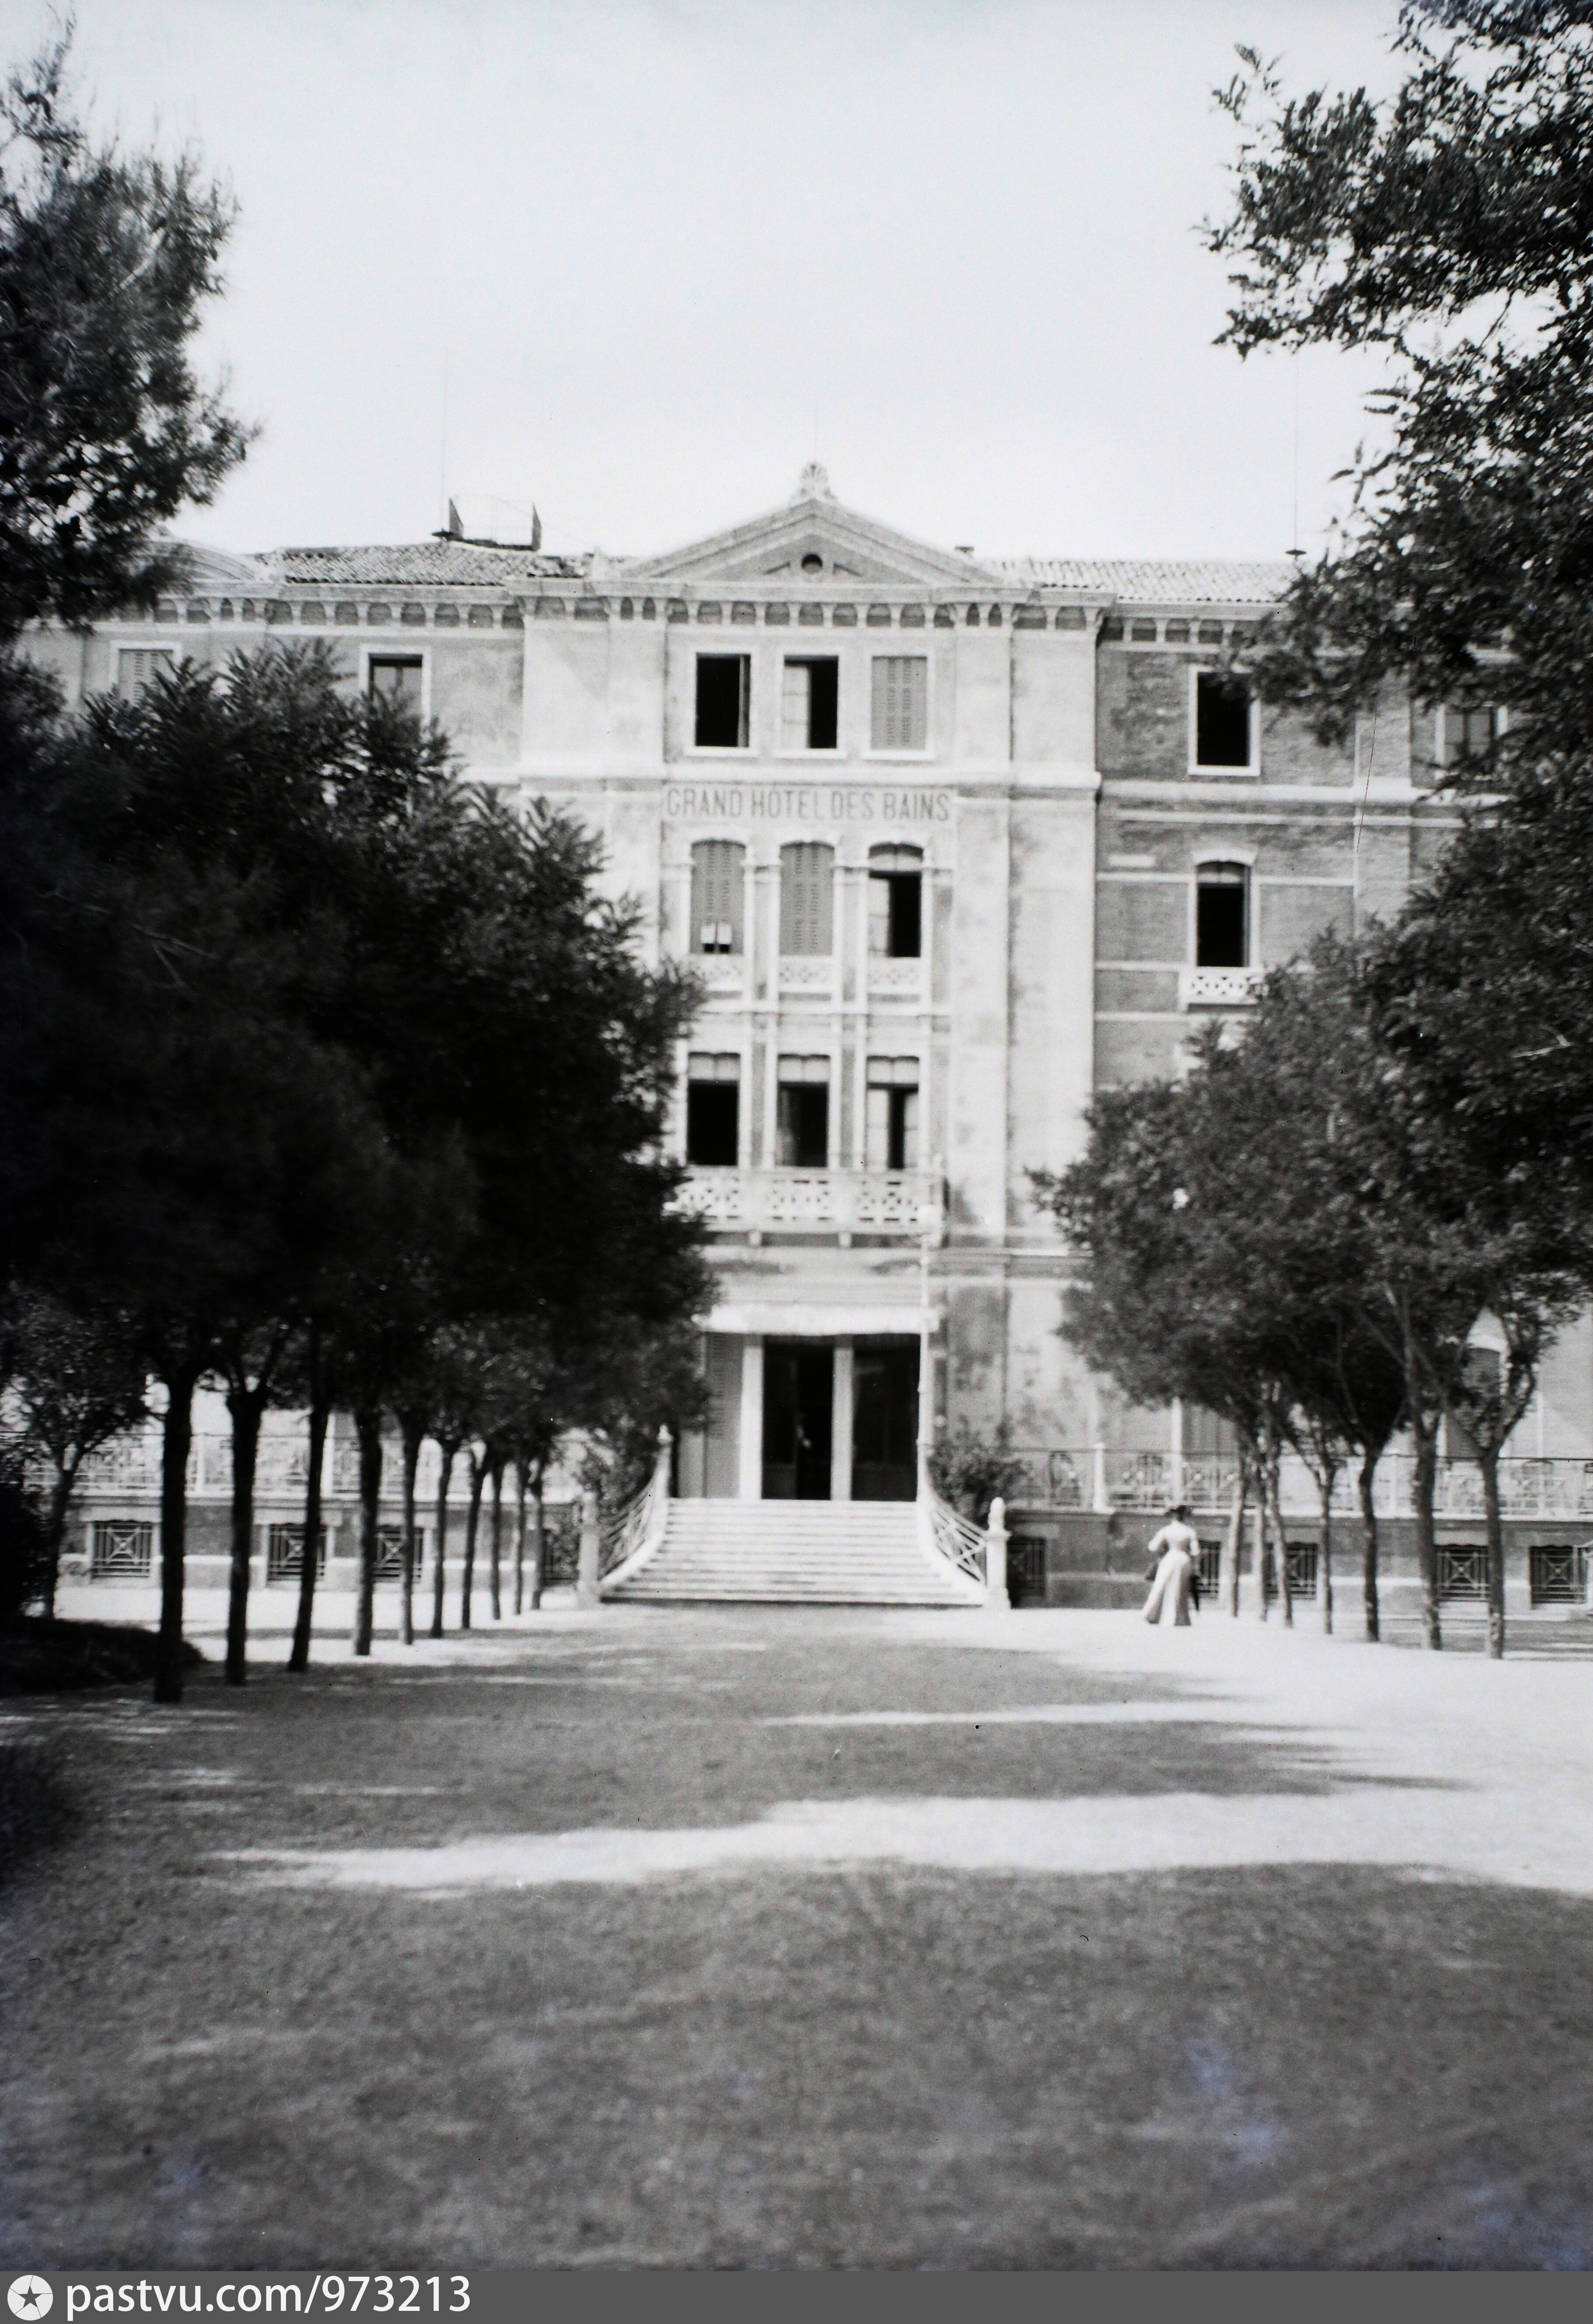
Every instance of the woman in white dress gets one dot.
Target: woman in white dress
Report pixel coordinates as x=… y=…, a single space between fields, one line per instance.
x=1175 y=1552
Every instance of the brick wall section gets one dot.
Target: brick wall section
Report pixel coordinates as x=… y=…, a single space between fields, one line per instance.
x=1142 y=725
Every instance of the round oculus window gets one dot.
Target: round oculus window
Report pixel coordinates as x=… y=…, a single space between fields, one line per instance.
x=813 y=562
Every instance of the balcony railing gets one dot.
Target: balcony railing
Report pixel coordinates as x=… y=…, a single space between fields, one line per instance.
x=1218 y=988
x=804 y=973
x=905 y=977
x=858 y=1202
x=1093 y=1476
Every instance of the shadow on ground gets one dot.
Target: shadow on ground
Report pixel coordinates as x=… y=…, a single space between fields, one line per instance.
x=1297 y=2065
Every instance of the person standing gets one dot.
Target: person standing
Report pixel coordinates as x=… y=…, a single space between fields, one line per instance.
x=1175 y=1554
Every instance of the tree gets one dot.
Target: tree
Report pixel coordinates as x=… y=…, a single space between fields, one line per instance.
x=107 y=261
x=171 y=998
x=971 y=1471
x=78 y=1381
x=1448 y=228
x=1162 y=1308
x=1415 y=1232
x=315 y=1386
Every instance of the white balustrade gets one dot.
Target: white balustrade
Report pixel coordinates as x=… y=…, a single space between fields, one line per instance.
x=863 y=1202
x=808 y=974
x=1218 y=988
x=901 y=976
x=722 y=975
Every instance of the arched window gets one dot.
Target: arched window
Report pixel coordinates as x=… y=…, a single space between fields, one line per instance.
x=716 y=895
x=1222 y=916
x=807 y=885
x=896 y=907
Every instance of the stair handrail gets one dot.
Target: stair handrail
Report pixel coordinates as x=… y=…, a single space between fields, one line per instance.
x=639 y=1528
x=950 y=1536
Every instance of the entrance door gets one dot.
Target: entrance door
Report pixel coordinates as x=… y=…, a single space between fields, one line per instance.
x=798 y=1388
x=884 y=1421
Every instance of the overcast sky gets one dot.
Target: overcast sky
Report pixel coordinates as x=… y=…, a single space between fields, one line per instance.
x=633 y=259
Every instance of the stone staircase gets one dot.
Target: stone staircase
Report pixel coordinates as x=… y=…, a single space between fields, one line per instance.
x=794 y=1553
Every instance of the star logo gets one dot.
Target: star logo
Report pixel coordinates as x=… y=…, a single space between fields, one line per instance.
x=30 y=2296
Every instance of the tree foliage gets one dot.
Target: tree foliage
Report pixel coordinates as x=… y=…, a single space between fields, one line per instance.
x=1299 y=1238
x=370 y=1052
x=1450 y=226
x=107 y=260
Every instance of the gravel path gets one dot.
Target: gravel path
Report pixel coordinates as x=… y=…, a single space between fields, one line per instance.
x=812 y=1938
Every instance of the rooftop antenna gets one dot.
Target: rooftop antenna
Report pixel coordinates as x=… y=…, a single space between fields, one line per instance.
x=1296 y=552
x=442 y=473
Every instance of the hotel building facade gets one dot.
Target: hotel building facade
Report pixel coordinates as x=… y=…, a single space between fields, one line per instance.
x=952 y=842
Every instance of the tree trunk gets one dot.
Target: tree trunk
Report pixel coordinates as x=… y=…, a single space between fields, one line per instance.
x=519 y=1536
x=368 y=1429
x=1236 y=1537
x=478 y=1478
x=1280 y=1557
x=1368 y=1542
x=1426 y=1485
x=446 y=1449
x=413 y=1433
x=1489 y=1464
x=495 y=1561
x=320 y=1414
x=1324 y=1556
x=177 y=1432
x=244 y=1406
x=60 y=1495
x=539 y=1543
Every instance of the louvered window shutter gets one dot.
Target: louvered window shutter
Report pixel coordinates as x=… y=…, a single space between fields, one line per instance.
x=902 y=702
x=806 y=921
x=716 y=896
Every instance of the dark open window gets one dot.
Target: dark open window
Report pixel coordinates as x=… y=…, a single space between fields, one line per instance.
x=803 y=1117
x=713 y=1112
x=398 y=677
x=724 y=693
x=893 y=1113
x=717 y=895
x=896 y=893
x=810 y=699
x=1222 y=916
x=1222 y=720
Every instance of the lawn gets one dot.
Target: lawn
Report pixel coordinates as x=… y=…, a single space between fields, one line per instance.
x=805 y=1938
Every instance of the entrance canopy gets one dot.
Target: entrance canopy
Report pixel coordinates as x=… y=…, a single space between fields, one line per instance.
x=772 y=1319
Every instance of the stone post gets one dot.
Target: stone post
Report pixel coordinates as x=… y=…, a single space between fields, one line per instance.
x=586 y=1590
x=996 y=1599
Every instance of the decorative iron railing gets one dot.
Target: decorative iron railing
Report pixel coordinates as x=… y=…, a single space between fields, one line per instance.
x=642 y=1521
x=1054 y=1481
x=1550 y=1486
x=952 y=1536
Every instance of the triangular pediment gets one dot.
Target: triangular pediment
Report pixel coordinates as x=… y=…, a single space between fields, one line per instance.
x=849 y=548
